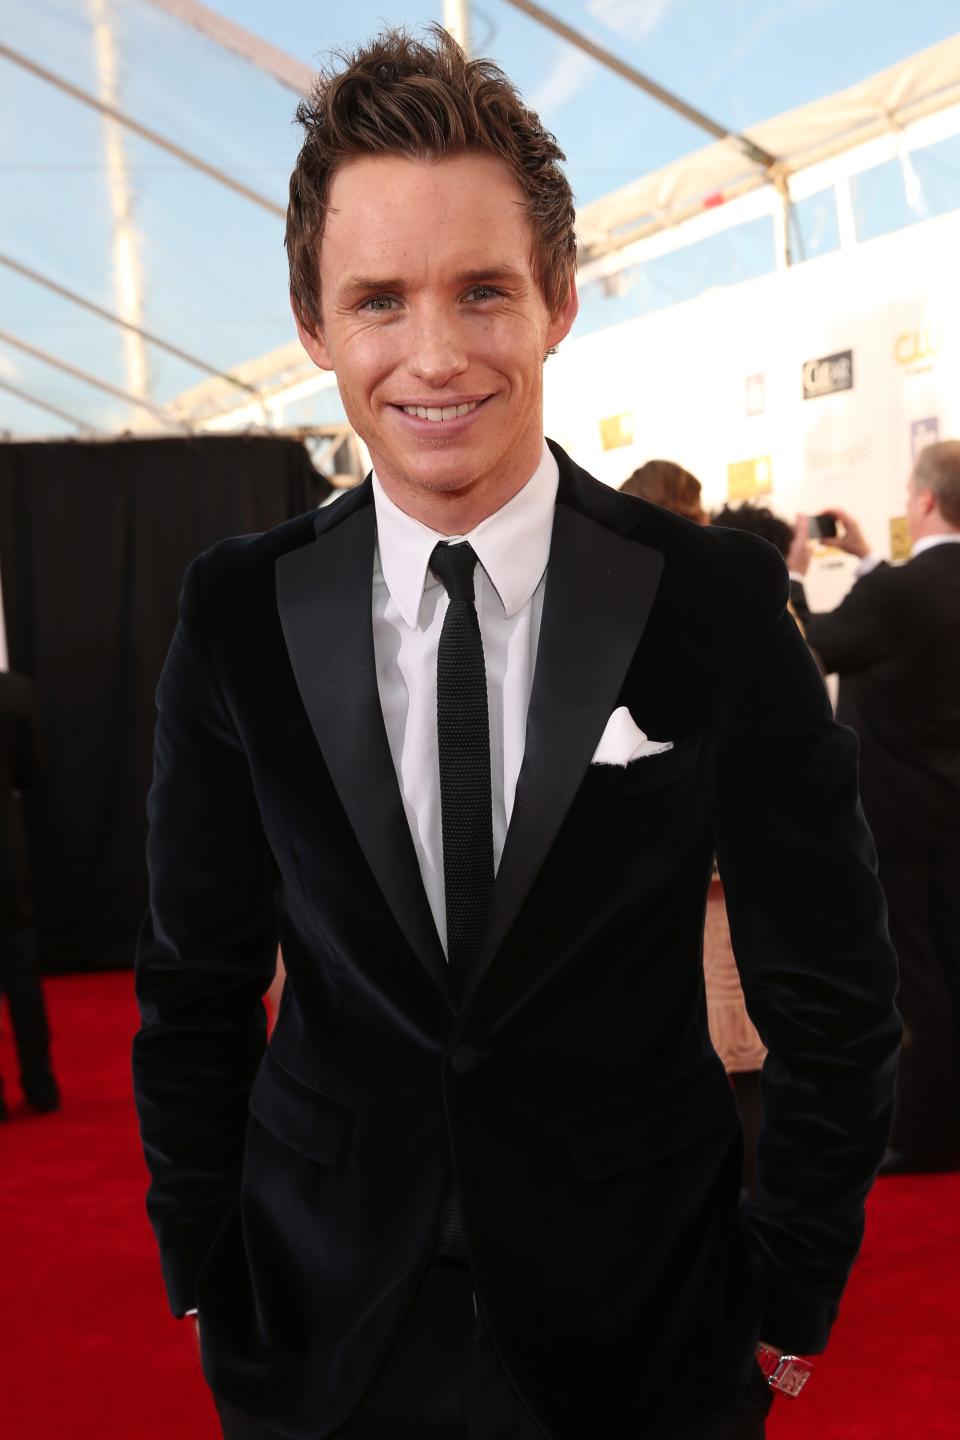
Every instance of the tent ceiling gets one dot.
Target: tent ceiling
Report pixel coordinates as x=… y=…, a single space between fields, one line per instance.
x=879 y=105
x=145 y=148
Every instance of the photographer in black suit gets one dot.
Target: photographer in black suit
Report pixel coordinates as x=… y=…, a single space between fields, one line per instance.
x=895 y=643
x=21 y=755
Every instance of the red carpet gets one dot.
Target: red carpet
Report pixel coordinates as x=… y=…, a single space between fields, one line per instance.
x=90 y=1352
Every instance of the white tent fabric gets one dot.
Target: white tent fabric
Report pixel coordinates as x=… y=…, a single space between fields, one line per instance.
x=881 y=104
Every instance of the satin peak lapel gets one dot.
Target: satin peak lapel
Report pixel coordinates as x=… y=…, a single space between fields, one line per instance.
x=599 y=592
x=324 y=599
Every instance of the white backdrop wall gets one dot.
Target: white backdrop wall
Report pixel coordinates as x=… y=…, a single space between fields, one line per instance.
x=680 y=379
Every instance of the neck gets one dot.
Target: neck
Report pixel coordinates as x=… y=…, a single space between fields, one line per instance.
x=934 y=525
x=457 y=511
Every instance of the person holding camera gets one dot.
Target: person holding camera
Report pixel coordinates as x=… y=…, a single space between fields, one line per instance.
x=894 y=642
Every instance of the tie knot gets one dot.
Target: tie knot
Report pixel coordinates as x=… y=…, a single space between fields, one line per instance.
x=453 y=566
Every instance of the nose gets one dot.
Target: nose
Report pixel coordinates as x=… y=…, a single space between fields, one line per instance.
x=437 y=353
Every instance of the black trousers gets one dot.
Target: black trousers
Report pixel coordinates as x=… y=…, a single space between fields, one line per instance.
x=20 y=979
x=443 y=1381
x=923 y=898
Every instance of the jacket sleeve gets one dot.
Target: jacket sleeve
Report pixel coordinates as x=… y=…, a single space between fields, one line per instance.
x=206 y=954
x=808 y=924
x=855 y=633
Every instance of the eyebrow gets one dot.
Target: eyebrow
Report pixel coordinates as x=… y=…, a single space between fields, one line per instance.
x=363 y=282
x=487 y=274
x=490 y=272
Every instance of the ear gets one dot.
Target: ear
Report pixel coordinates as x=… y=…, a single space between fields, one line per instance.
x=313 y=342
x=562 y=323
x=927 y=500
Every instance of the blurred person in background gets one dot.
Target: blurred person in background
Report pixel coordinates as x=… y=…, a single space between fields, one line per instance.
x=731 y=1029
x=485 y=1180
x=732 y=1032
x=760 y=520
x=21 y=763
x=757 y=520
x=894 y=642
x=666 y=483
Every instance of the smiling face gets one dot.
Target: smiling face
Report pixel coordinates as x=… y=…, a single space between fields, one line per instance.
x=436 y=329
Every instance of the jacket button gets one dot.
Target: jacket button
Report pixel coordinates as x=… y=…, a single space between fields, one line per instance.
x=464 y=1059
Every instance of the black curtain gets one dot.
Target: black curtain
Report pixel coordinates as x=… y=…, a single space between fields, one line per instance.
x=94 y=540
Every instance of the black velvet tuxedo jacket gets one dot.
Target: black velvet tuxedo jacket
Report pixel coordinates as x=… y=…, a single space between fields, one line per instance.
x=575 y=1095
x=894 y=641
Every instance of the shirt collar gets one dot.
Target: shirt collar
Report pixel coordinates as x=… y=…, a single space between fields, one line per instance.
x=512 y=544
x=928 y=542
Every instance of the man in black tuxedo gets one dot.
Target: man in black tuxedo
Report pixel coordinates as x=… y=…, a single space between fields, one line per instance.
x=466 y=743
x=21 y=764
x=894 y=641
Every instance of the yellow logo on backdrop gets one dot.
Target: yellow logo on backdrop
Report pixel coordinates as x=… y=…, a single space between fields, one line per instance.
x=900 y=542
x=747 y=478
x=917 y=349
x=616 y=430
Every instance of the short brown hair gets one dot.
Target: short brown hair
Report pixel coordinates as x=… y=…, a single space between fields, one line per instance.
x=402 y=96
x=666 y=483
x=937 y=468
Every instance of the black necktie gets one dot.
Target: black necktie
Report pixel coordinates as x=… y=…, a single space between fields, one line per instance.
x=466 y=807
x=463 y=743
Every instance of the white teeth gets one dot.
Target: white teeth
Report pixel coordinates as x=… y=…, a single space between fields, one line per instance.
x=436 y=412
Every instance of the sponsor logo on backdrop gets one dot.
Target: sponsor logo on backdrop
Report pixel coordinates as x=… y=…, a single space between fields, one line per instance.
x=842 y=458
x=756 y=394
x=922 y=434
x=901 y=542
x=916 y=350
x=828 y=374
x=616 y=430
x=747 y=478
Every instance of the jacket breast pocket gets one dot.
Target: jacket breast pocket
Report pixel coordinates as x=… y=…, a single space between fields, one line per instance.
x=650 y=772
x=302 y=1118
x=627 y=1134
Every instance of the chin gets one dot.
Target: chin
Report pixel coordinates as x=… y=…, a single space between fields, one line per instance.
x=443 y=484
x=450 y=478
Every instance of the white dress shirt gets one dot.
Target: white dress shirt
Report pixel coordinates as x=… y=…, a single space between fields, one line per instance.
x=409 y=603
x=871 y=561
x=928 y=542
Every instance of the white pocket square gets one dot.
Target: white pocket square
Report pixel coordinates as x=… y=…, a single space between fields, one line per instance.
x=623 y=741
